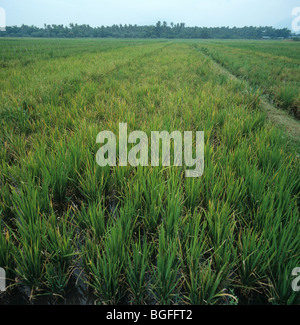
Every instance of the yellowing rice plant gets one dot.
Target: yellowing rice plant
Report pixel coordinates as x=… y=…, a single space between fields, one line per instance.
x=145 y=235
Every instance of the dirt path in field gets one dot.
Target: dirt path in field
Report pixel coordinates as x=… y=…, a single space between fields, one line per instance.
x=277 y=116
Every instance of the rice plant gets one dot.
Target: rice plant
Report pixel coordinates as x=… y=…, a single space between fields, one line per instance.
x=138 y=234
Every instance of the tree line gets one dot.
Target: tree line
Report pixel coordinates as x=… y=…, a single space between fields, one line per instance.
x=160 y=30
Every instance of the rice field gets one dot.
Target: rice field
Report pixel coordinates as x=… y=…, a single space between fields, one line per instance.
x=74 y=232
x=270 y=67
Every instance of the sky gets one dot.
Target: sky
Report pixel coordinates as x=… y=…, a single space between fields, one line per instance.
x=209 y=13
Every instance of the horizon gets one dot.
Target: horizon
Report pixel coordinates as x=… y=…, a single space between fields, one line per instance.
x=194 y=13
x=148 y=25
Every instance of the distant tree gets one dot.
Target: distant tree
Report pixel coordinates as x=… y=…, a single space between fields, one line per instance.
x=160 y=30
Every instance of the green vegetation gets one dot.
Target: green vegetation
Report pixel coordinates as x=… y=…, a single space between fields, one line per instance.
x=142 y=235
x=159 y=30
x=272 y=67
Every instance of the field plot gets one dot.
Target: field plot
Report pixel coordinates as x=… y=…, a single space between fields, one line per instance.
x=144 y=235
x=272 y=67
